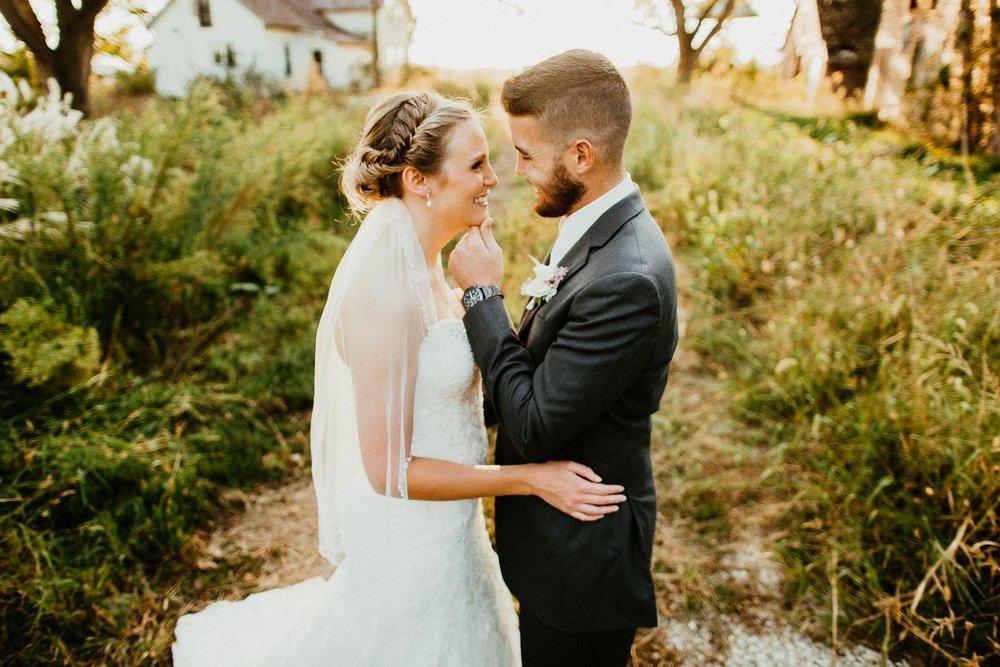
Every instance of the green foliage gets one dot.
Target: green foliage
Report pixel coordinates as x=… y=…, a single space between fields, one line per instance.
x=849 y=292
x=105 y=494
x=186 y=251
x=140 y=81
x=44 y=350
x=845 y=289
x=139 y=227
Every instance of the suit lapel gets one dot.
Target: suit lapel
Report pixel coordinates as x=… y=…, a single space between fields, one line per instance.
x=599 y=233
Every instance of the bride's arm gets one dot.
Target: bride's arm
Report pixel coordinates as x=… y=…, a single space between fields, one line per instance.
x=570 y=487
x=381 y=346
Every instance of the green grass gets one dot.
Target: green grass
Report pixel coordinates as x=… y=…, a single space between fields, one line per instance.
x=193 y=243
x=848 y=292
x=844 y=292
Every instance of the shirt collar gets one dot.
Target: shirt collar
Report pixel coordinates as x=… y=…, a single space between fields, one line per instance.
x=583 y=218
x=574 y=226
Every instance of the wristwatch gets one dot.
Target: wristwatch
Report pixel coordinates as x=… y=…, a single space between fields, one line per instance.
x=477 y=293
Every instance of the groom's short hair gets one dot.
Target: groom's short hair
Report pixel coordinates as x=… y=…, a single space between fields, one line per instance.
x=576 y=92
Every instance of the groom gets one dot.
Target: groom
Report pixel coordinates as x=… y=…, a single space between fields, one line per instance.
x=580 y=377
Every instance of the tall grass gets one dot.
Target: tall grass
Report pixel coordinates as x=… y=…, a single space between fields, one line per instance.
x=161 y=275
x=849 y=292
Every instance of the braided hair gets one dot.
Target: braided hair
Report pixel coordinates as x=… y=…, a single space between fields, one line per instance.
x=403 y=129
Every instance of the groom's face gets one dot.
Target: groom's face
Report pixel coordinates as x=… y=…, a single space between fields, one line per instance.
x=541 y=162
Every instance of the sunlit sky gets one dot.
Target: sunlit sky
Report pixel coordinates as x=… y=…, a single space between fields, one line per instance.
x=512 y=34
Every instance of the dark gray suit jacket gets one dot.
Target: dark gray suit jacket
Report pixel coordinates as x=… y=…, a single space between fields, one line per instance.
x=578 y=382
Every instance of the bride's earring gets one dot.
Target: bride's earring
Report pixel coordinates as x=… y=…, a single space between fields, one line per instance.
x=427 y=193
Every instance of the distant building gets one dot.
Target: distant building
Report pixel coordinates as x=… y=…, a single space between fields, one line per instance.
x=298 y=44
x=914 y=47
x=846 y=28
x=805 y=50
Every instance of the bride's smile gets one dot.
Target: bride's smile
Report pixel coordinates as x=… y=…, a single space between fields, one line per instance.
x=459 y=193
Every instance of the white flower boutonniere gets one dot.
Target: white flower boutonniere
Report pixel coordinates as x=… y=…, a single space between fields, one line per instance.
x=545 y=284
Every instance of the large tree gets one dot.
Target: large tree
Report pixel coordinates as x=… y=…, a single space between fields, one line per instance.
x=695 y=23
x=69 y=62
x=994 y=51
x=376 y=68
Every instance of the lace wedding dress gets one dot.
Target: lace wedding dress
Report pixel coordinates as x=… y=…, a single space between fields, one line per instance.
x=417 y=582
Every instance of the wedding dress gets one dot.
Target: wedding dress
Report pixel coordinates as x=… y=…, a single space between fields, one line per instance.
x=417 y=582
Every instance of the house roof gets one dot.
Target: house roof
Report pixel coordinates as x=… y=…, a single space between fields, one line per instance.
x=301 y=14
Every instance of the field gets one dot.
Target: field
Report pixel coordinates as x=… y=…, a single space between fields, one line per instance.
x=162 y=271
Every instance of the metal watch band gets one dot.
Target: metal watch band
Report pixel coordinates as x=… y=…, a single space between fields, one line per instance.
x=477 y=293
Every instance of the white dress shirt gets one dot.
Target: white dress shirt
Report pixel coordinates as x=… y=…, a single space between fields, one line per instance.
x=574 y=226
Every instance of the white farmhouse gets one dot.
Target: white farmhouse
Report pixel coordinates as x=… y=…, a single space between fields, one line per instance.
x=293 y=43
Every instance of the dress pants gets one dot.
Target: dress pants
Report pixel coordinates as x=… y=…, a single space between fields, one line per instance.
x=545 y=646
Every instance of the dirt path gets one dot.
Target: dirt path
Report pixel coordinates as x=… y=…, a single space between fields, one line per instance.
x=719 y=587
x=278 y=530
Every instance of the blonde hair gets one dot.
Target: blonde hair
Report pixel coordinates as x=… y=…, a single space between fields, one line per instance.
x=406 y=129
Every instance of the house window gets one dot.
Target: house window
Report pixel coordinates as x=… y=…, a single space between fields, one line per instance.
x=230 y=57
x=288 y=61
x=318 y=59
x=204 y=13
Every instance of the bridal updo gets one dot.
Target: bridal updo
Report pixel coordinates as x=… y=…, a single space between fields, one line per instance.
x=404 y=129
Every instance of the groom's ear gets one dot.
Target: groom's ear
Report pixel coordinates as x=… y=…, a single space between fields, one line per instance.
x=583 y=156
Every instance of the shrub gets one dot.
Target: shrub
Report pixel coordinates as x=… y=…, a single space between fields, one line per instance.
x=44 y=351
x=185 y=250
x=850 y=294
x=137 y=82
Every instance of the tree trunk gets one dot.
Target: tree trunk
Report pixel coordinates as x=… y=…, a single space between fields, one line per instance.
x=689 y=53
x=965 y=41
x=73 y=56
x=376 y=70
x=890 y=67
x=688 y=61
x=69 y=62
x=995 y=73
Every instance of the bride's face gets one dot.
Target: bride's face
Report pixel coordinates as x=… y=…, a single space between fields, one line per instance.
x=459 y=191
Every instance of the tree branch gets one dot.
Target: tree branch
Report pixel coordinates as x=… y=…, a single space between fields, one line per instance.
x=678 y=6
x=26 y=27
x=706 y=9
x=91 y=8
x=658 y=27
x=65 y=15
x=727 y=10
x=513 y=5
x=68 y=15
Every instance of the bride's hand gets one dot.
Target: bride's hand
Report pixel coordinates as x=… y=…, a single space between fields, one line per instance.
x=575 y=489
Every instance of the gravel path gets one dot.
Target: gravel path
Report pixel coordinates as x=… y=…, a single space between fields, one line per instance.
x=279 y=527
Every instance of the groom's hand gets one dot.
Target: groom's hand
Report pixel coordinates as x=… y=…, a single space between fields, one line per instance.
x=477 y=259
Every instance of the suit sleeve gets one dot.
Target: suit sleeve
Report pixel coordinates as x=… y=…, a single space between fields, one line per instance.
x=489 y=414
x=611 y=331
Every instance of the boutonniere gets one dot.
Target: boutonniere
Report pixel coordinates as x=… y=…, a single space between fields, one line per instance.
x=545 y=284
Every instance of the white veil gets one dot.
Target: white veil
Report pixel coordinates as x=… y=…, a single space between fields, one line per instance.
x=379 y=310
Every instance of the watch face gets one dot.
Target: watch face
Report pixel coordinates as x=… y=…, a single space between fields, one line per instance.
x=478 y=293
x=472 y=296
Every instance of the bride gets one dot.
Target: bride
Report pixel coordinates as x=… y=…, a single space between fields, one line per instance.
x=398 y=422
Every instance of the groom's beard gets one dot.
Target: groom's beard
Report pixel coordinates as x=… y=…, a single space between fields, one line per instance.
x=559 y=194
